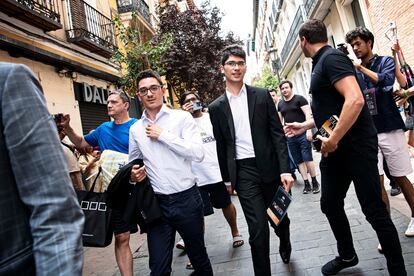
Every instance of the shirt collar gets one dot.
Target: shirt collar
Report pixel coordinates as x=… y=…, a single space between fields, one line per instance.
x=231 y=96
x=164 y=110
x=319 y=53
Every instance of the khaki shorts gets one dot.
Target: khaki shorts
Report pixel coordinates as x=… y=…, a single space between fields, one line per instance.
x=394 y=148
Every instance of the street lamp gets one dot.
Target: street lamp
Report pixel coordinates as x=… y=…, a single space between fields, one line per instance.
x=275 y=62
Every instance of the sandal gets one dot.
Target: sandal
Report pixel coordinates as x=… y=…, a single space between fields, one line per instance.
x=238 y=241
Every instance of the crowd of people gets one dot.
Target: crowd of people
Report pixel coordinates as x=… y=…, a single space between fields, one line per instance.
x=248 y=140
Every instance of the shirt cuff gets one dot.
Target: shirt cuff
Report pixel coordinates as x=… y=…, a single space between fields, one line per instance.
x=227 y=183
x=285 y=174
x=132 y=182
x=166 y=136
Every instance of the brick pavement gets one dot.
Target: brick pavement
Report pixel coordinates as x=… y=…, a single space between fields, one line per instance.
x=312 y=242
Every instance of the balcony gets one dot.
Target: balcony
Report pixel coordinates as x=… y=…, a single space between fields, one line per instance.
x=90 y=29
x=125 y=6
x=309 y=6
x=292 y=36
x=43 y=14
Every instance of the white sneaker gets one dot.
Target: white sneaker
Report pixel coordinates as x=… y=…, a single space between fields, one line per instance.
x=180 y=244
x=410 y=229
x=380 y=249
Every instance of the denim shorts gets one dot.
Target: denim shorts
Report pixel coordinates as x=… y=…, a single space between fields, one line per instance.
x=300 y=148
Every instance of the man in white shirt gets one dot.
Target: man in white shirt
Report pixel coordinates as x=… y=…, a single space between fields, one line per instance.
x=209 y=181
x=168 y=141
x=252 y=153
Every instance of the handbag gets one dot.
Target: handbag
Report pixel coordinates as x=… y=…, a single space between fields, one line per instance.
x=97 y=231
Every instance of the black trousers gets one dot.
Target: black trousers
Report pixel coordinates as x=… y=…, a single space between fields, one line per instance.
x=357 y=162
x=183 y=212
x=255 y=196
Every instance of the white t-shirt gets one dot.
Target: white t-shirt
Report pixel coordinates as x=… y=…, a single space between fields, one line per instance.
x=208 y=171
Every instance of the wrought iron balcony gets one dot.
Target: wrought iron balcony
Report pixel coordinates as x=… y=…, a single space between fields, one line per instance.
x=309 y=5
x=125 y=6
x=90 y=29
x=292 y=36
x=43 y=14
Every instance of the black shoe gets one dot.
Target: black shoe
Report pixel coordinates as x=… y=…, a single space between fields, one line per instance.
x=337 y=264
x=307 y=189
x=315 y=187
x=396 y=190
x=285 y=252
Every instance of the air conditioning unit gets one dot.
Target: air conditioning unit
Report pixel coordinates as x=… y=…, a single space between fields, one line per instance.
x=346 y=2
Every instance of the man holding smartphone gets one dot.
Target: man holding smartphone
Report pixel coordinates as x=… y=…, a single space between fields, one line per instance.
x=113 y=135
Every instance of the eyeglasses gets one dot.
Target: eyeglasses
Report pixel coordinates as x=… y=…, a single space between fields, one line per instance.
x=144 y=90
x=233 y=64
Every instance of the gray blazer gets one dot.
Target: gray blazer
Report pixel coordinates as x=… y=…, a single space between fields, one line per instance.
x=41 y=222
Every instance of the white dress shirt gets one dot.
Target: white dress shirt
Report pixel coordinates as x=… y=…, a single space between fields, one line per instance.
x=240 y=111
x=168 y=159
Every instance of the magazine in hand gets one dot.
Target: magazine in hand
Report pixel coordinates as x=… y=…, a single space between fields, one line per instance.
x=279 y=205
x=325 y=131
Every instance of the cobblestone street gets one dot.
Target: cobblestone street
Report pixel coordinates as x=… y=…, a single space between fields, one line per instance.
x=313 y=243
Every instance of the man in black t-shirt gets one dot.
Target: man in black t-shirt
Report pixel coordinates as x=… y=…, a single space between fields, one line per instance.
x=295 y=108
x=350 y=152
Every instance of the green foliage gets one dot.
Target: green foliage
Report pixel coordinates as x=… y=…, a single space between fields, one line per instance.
x=193 y=60
x=136 y=55
x=267 y=79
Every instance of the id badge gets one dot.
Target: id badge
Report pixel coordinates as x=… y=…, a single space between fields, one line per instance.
x=370 y=100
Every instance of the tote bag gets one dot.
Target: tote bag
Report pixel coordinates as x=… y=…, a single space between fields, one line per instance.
x=97 y=230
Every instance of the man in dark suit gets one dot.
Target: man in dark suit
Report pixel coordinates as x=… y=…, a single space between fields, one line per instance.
x=41 y=220
x=252 y=154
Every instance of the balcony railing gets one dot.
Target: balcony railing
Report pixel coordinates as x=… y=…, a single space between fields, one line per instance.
x=43 y=14
x=125 y=6
x=309 y=5
x=292 y=35
x=90 y=29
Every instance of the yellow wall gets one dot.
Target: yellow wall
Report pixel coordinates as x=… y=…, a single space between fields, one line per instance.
x=58 y=90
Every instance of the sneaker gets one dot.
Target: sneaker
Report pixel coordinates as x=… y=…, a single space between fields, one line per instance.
x=395 y=191
x=180 y=244
x=315 y=187
x=307 y=189
x=380 y=249
x=337 y=264
x=410 y=229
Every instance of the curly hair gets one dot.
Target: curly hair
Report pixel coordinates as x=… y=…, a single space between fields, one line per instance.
x=362 y=33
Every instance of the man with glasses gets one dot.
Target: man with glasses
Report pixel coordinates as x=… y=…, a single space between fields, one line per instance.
x=253 y=155
x=112 y=135
x=168 y=141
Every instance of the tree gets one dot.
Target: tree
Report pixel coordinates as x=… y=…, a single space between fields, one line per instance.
x=267 y=79
x=193 y=59
x=135 y=54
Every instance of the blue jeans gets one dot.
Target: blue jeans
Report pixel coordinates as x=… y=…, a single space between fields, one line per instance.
x=183 y=212
x=300 y=148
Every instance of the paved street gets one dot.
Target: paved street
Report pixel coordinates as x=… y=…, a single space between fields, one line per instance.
x=312 y=242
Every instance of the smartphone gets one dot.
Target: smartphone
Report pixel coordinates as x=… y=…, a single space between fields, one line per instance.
x=197 y=106
x=57 y=118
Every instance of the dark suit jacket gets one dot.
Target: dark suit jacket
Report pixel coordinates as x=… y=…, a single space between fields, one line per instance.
x=138 y=205
x=267 y=134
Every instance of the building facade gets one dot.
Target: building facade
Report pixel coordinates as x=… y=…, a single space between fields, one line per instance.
x=285 y=18
x=69 y=44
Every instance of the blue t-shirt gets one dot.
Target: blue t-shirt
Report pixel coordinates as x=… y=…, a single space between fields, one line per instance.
x=111 y=136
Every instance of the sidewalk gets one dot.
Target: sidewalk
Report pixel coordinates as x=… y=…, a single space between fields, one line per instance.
x=313 y=243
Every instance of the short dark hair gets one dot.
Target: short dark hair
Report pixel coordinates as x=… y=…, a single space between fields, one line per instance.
x=186 y=93
x=232 y=50
x=272 y=90
x=314 y=31
x=362 y=33
x=148 y=74
x=123 y=95
x=285 y=81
